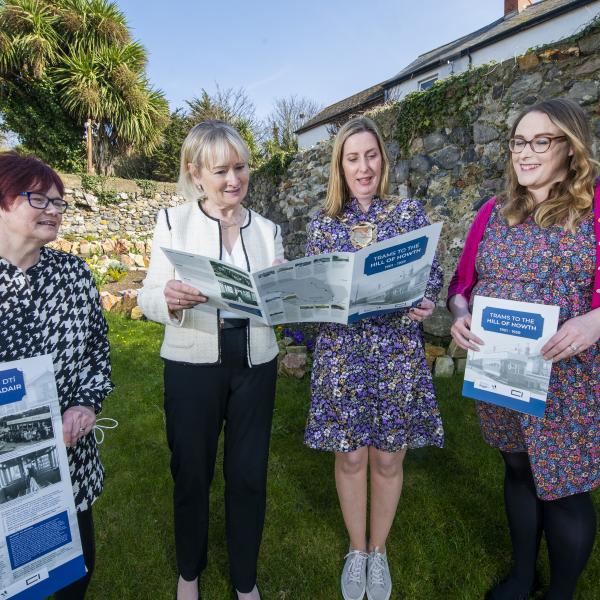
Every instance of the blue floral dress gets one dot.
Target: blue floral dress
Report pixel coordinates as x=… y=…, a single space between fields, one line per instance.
x=371 y=385
x=548 y=266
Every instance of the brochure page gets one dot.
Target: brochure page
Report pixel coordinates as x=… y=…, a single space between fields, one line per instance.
x=40 y=548
x=227 y=287
x=392 y=274
x=310 y=289
x=509 y=370
x=338 y=287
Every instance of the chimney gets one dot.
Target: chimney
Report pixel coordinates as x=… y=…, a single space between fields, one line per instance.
x=512 y=6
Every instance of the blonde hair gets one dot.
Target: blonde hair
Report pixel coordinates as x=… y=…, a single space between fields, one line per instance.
x=569 y=201
x=338 y=191
x=207 y=144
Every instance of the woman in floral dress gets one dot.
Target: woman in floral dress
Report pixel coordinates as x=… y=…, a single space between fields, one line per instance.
x=372 y=393
x=537 y=243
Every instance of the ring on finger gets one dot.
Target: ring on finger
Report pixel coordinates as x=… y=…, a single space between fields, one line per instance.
x=178 y=300
x=82 y=429
x=573 y=347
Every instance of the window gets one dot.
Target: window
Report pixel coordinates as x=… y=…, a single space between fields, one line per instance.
x=425 y=84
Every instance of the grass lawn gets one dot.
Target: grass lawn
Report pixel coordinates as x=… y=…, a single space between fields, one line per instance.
x=449 y=540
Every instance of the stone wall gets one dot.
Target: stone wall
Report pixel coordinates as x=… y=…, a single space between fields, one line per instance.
x=452 y=169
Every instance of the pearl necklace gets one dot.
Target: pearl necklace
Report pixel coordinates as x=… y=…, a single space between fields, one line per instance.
x=235 y=223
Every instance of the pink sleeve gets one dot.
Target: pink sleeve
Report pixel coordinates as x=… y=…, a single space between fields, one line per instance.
x=596 y=290
x=465 y=276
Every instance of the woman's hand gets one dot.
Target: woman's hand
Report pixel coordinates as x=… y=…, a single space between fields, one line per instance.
x=574 y=336
x=180 y=295
x=77 y=422
x=461 y=333
x=422 y=311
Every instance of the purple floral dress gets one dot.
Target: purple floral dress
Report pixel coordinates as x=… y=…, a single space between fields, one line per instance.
x=370 y=384
x=549 y=266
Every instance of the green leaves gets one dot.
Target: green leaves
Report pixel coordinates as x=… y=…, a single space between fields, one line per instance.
x=83 y=51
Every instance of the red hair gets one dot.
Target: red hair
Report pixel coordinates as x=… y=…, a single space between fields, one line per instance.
x=20 y=173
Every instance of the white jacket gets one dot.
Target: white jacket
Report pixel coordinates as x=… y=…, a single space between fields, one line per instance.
x=194 y=337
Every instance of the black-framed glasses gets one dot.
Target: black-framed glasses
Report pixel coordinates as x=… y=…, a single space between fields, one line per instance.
x=41 y=201
x=539 y=144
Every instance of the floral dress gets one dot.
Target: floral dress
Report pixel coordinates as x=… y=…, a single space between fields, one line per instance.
x=548 y=266
x=371 y=385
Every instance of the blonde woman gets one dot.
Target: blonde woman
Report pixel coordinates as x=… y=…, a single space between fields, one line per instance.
x=218 y=367
x=540 y=242
x=372 y=395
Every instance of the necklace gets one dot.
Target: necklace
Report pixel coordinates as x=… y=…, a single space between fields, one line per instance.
x=362 y=233
x=236 y=223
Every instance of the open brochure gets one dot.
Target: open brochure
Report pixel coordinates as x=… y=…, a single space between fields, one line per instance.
x=340 y=287
x=40 y=548
x=509 y=369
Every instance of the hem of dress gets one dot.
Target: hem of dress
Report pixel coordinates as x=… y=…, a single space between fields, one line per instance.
x=408 y=446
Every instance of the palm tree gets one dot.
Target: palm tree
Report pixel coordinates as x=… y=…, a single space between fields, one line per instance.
x=83 y=50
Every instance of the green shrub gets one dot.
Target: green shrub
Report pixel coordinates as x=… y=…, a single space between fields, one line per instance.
x=98 y=186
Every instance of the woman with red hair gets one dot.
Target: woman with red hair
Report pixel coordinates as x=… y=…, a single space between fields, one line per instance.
x=49 y=304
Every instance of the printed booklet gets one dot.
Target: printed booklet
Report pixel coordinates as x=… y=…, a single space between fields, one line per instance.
x=341 y=287
x=509 y=370
x=40 y=549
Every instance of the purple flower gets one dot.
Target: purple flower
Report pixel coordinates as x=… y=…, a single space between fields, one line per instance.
x=298 y=336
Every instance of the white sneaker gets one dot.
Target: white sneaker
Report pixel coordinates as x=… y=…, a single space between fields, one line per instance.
x=354 y=575
x=379 y=581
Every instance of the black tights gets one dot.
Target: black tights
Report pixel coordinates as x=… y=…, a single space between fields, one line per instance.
x=569 y=525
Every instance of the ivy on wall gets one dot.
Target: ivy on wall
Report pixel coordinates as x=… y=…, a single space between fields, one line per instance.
x=449 y=102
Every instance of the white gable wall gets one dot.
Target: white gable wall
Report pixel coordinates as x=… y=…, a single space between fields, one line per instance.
x=557 y=29
x=311 y=137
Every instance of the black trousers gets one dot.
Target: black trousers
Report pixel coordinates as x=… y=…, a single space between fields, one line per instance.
x=77 y=589
x=198 y=400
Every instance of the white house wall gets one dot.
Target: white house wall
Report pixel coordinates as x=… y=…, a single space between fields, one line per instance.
x=545 y=33
x=311 y=137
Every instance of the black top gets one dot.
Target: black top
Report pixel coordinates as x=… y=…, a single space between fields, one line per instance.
x=55 y=309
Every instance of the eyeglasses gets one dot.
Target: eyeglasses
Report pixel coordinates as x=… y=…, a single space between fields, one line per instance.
x=538 y=144
x=41 y=201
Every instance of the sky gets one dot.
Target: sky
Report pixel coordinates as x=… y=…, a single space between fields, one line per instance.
x=325 y=50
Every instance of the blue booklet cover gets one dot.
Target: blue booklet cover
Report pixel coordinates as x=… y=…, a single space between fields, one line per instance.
x=509 y=369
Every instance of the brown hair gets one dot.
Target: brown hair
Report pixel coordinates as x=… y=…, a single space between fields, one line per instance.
x=337 y=191
x=569 y=201
x=20 y=173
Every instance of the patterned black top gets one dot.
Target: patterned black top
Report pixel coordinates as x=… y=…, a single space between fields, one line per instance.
x=55 y=309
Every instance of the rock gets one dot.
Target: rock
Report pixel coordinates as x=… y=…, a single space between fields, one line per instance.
x=460 y=364
x=590 y=44
x=439 y=323
x=126 y=260
x=136 y=313
x=455 y=351
x=402 y=171
x=127 y=302
x=108 y=300
x=448 y=157
x=108 y=246
x=138 y=260
x=294 y=365
x=420 y=163
x=84 y=249
x=588 y=67
x=434 y=141
x=296 y=349
x=433 y=352
x=526 y=84
x=62 y=245
x=443 y=367
x=484 y=133
x=528 y=61
x=584 y=92
x=556 y=54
